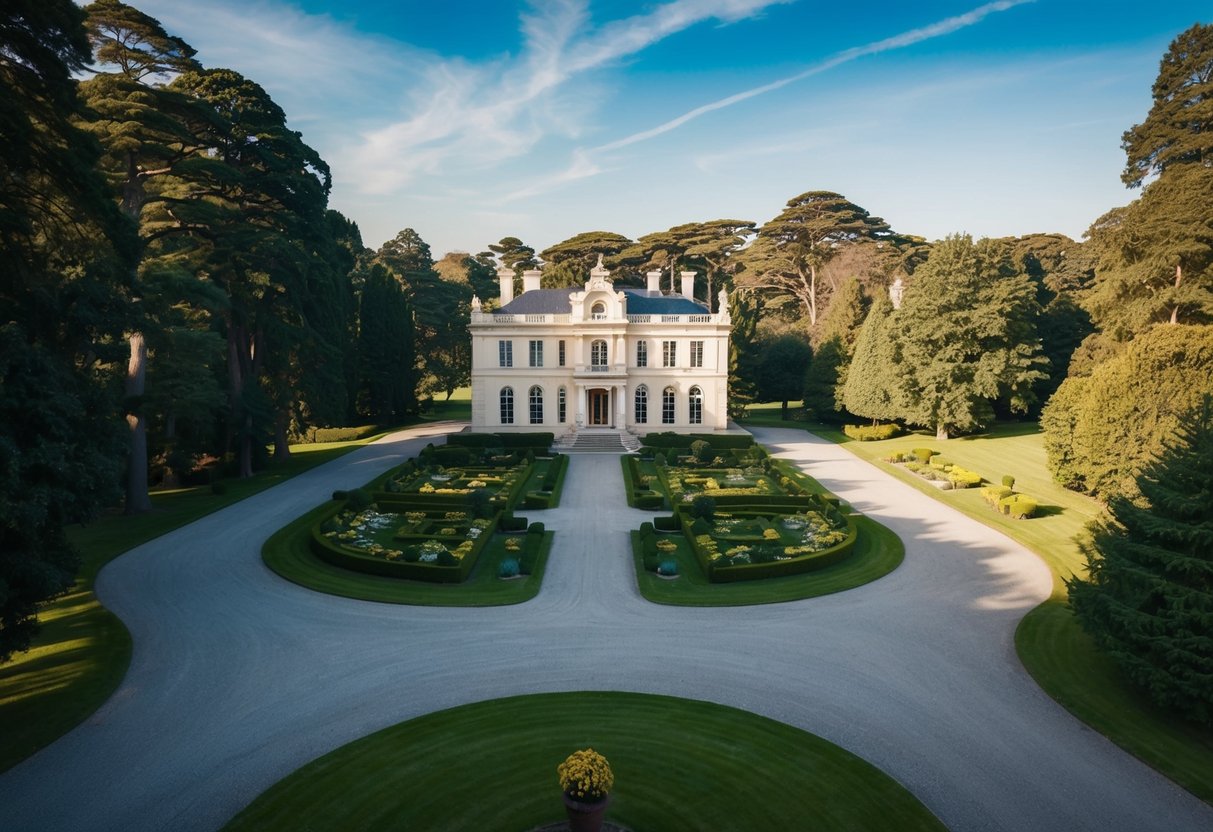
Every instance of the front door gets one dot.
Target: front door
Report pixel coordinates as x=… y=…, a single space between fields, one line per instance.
x=600 y=407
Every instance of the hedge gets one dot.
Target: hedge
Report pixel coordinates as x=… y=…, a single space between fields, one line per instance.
x=348 y=434
x=871 y=433
x=1019 y=506
x=724 y=441
x=534 y=440
x=548 y=495
x=775 y=569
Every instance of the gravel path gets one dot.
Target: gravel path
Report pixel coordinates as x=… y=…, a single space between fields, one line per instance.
x=239 y=677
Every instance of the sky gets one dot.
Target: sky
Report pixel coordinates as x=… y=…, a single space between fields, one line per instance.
x=472 y=120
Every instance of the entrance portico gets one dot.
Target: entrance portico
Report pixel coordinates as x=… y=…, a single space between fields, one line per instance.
x=601 y=405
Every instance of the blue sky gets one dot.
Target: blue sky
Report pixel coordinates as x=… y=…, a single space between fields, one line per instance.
x=470 y=121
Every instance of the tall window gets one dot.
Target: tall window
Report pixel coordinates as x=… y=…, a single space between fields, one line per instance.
x=560 y=353
x=505 y=353
x=507 y=405
x=642 y=353
x=598 y=354
x=536 y=399
x=667 y=406
x=537 y=353
x=697 y=353
x=696 y=406
x=642 y=405
x=561 y=405
x=669 y=353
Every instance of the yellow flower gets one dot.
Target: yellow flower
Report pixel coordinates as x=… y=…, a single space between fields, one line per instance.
x=586 y=774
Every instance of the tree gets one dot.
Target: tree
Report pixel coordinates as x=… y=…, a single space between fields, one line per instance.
x=836 y=337
x=385 y=347
x=779 y=373
x=786 y=259
x=1148 y=597
x=568 y=263
x=712 y=248
x=967 y=335
x=1178 y=130
x=1102 y=429
x=514 y=254
x=65 y=266
x=875 y=381
x=743 y=351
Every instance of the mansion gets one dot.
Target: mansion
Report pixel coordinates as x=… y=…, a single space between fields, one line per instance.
x=633 y=360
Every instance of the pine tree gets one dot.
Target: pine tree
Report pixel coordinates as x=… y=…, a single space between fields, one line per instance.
x=1148 y=598
x=875 y=384
x=832 y=351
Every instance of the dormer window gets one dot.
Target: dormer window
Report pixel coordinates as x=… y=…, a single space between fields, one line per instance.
x=598 y=311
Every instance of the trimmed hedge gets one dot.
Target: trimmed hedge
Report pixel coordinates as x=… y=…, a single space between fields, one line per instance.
x=871 y=433
x=775 y=569
x=924 y=454
x=347 y=434
x=1019 y=506
x=724 y=441
x=535 y=440
x=552 y=484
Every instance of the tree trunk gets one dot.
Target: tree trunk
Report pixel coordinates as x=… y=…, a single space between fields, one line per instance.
x=137 y=499
x=941 y=431
x=282 y=445
x=783 y=412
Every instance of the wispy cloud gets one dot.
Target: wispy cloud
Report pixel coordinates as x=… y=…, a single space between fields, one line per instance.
x=899 y=41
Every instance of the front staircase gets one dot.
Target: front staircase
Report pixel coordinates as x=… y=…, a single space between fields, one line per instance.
x=596 y=441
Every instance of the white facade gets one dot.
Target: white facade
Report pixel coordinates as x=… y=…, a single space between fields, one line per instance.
x=564 y=359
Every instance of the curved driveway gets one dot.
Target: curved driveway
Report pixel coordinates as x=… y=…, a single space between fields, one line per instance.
x=239 y=677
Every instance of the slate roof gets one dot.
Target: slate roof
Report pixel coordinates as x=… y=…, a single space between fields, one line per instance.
x=640 y=302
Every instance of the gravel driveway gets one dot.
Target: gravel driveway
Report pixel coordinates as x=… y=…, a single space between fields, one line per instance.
x=239 y=677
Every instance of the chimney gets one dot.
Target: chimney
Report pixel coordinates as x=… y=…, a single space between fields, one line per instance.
x=505 y=279
x=654 y=279
x=688 y=285
x=530 y=280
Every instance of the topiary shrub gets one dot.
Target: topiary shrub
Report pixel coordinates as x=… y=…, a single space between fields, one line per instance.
x=871 y=433
x=669 y=568
x=536 y=528
x=924 y=454
x=509 y=568
x=993 y=494
x=659 y=459
x=1008 y=480
x=340 y=494
x=646 y=529
x=703 y=506
x=1018 y=506
x=358 y=499
x=962 y=478
x=480 y=504
x=666 y=524
x=701 y=450
x=701 y=526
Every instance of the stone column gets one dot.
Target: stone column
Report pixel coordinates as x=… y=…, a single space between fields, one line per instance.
x=581 y=405
x=621 y=406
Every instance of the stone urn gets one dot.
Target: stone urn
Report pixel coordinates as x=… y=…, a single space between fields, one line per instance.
x=586 y=817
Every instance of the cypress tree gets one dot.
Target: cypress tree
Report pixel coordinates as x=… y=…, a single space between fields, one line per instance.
x=1148 y=600
x=874 y=385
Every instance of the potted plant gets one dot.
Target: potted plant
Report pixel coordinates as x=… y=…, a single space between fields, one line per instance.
x=585 y=781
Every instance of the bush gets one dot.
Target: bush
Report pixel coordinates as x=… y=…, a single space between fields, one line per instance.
x=701 y=526
x=509 y=568
x=480 y=504
x=871 y=433
x=703 y=506
x=649 y=500
x=341 y=434
x=536 y=528
x=667 y=524
x=669 y=568
x=659 y=460
x=452 y=455
x=646 y=530
x=924 y=454
x=358 y=499
x=1008 y=480
x=510 y=523
x=701 y=450
x=993 y=494
x=1018 y=506
x=961 y=478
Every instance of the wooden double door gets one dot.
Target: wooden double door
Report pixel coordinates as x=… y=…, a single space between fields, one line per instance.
x=600 y=407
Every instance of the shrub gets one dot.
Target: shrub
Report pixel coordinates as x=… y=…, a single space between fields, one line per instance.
x=961 y=478
x=659 y=459
x=871 y=433
x=509 y=568
x=667 y=524
x=341 y=434
x=480 y=504
x=648 y=500
x=646 y=529
x=452 y=455
x=1018 y=506
x=703 y=506
x=536 y=528
x=924 y=454
x=668 y=567
x=340 y=494
x=701 y=450
x=993 y=494
x=701 y=526
x=1008 y=480
x=358 y=499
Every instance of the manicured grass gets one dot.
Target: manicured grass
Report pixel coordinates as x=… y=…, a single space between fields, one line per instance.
x=1052 y=646
x=83 y=650
x=878 y=551
x=679 y=765
x=289 y=554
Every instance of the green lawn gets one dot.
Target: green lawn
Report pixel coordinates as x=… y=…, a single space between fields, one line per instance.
x=877 y=552
x=289 y=554
x=1054 y=649
x=679 y=765
x=82 y=652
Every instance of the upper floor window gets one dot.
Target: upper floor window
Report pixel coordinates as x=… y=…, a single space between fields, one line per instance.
x=537 y=353
x=598 y=353
x=669 y=353
x=697 y=353
x=505 y=353
x=560 y=353
x=598 y=311
x=642 y=353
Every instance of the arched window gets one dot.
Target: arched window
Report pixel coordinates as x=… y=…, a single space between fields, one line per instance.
x=642 y=405
x=696 y=400
x=598 y=354
x=667 y=406
x=507 y=405
x=598 y=311
x=536 y=399
x=561 y=406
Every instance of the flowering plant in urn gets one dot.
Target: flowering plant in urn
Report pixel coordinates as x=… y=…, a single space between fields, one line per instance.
x=586 y=776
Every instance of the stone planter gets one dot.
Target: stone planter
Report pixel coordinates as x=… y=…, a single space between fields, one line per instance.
x=586 y=817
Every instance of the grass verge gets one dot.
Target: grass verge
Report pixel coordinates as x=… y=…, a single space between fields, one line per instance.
x=82 y=652
x=1052 y=646
x=289 y=554
x=679 y=765
x=878 y=551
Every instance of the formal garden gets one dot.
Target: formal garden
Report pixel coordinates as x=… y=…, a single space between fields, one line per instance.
x=445 y=517
x=742 y=516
